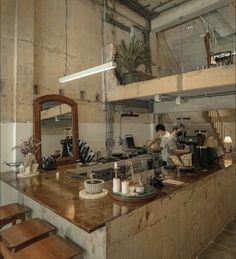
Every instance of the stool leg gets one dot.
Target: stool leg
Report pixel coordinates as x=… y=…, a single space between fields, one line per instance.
x=23 y=218
x=1 y=257
x=5 y=252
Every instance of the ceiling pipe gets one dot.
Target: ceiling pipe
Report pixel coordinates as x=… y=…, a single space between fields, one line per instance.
x=191 y=97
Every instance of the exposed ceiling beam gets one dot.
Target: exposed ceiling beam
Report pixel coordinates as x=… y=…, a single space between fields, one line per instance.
x=185 y=12
x=138 y=8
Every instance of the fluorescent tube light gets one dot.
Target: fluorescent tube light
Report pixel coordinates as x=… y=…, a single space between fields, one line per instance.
x=88 y=72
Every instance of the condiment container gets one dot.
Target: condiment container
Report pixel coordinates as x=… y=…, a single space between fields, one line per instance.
x=139 y=189
x=116 y=185
x=124 y=187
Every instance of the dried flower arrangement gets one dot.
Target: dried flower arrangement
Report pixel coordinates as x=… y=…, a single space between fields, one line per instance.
x=28 y=146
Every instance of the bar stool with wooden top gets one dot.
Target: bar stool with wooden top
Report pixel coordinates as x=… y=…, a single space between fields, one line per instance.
x=23 y=234
x=53 y=247
x=11 y=213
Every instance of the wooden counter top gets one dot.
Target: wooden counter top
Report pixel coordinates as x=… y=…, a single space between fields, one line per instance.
x=60 y=193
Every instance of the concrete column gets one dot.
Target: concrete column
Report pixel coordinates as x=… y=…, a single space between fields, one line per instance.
x=17 y=41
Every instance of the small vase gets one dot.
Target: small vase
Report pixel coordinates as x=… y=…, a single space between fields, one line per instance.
x=29 y=161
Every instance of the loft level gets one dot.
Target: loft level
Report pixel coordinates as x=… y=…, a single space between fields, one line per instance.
x=213 y=79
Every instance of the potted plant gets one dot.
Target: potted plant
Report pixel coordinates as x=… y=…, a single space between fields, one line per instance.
x=129 y=58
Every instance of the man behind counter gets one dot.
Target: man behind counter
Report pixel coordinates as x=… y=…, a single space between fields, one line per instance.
x=161 y=142
x=172 y=146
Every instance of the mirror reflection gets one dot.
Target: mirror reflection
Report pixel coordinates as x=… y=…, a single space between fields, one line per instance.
x=56 y=130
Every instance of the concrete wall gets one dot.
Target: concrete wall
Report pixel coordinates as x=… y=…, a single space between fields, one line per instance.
x=43 y=40
x=177 y=226
x=17 y=63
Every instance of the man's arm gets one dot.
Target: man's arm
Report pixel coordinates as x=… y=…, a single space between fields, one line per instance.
x=175 y=150
x=157 y=148
x=153 y=141
x=179 y=152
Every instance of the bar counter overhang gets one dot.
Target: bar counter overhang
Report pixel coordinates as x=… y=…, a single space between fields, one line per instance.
x=178 y=223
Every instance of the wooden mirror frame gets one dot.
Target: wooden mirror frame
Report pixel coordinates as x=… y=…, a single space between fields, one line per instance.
x=37 y=125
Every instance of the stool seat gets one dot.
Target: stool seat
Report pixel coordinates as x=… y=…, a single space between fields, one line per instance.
x=25 y=233
x=53 y=247
x=11 y=212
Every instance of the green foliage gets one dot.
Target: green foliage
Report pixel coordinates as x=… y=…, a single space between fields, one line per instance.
x=130 y=56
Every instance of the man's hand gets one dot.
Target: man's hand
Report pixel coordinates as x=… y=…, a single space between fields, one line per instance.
x=186 y=148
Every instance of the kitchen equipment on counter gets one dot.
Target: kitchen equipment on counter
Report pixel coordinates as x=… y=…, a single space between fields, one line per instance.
x=93 y=185
x=131 y=147
x=67 y=147
x=48 y=163
x=86 y=155
x=156 y=180
x=212 y=156
x=201 y=156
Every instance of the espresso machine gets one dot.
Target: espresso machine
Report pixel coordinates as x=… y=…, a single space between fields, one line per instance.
x=203 y=157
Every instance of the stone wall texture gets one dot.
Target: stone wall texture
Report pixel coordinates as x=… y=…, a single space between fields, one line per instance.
x=178 y=226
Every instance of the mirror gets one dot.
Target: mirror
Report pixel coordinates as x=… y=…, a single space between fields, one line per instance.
x=56 y=127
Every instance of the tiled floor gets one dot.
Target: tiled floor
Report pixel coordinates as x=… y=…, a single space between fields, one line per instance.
x=224 y=246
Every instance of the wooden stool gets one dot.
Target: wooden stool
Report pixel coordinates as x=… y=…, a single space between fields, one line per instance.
x=23 y=234
x=12 y=212
x=53 y=247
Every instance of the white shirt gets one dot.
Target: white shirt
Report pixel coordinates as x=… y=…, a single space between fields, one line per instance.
x=163 y=143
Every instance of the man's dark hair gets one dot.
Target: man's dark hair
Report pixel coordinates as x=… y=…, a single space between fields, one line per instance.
x=160 y=127
x=177 y=126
